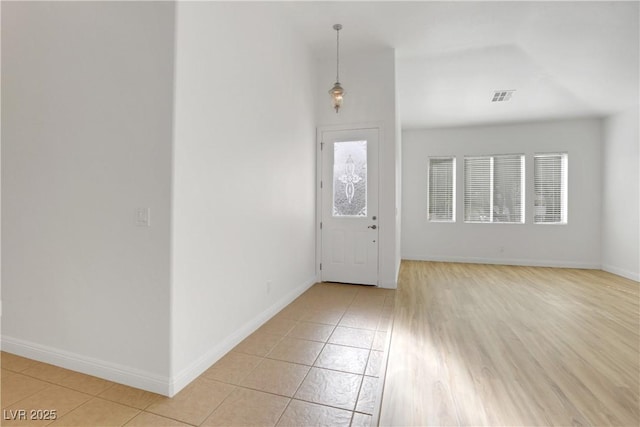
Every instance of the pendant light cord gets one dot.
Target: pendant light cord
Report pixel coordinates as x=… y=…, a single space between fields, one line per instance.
x=337 y=55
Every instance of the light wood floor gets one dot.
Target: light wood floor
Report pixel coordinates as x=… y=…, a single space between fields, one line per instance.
x=514 y=346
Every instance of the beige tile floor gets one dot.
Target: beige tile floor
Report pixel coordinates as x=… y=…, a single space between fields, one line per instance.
x=317 y=362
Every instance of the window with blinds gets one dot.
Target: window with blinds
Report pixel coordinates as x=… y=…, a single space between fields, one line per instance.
x=550 y=183
x=442 y=189
x=494 y=188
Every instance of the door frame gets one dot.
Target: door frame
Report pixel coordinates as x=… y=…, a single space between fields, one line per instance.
x=341 y=127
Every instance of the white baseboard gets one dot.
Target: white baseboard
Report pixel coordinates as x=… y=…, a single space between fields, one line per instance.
x=184 y=377
x=391 y=284
x=503 y=261
x=87 y=365
x=138 y=378
x=621 y=272
x=388 y=285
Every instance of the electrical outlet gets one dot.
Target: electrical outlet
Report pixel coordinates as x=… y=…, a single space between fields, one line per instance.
x=269 y=286
x=143 y=217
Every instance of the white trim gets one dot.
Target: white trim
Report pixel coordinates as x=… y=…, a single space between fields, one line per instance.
x=505 y=261
x=87 y=365
x=621 y=272
x=374 y=125
x=350 y=126
x=388 y=285
x=191 y=372
x=319 y=131
x=394 y=283
x=138 y=378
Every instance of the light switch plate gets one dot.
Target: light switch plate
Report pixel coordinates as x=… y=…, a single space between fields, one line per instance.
x=143 y=217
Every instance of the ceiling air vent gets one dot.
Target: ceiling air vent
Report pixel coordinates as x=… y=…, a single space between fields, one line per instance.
x=502 y=95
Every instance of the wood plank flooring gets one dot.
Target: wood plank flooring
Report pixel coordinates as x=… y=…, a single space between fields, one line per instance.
x=514 y=346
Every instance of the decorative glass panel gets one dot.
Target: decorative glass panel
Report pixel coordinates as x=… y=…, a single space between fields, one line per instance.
x=350 y=178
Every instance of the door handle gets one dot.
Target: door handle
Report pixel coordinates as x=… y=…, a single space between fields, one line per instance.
x=373 y=227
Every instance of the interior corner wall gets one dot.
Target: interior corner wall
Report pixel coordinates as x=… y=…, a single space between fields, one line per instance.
x=575 y=244
x=244 y=177
x=369 y=80
x=86 y=140
x=621 y=195
x=398 y=158
x=0 y=183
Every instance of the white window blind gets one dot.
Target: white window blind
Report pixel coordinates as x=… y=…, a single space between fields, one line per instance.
x=442 y=189
x=550 y=182
x=494 y=188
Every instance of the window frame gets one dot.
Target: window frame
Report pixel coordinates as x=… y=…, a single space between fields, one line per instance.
x=522 y=191
x=453 y=189
x=564 y=189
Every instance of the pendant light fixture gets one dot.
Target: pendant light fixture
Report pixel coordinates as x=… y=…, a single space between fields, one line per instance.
x=337 y=92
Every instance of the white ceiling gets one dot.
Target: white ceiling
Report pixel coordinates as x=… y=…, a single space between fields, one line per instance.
x=564 y=59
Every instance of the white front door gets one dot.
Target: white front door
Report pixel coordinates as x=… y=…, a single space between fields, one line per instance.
x=349 y=206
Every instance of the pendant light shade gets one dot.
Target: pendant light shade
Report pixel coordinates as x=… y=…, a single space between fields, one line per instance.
x=337 y=96
x=337 y=92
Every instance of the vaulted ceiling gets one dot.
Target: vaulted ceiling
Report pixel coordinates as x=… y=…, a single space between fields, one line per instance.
x=563 y=59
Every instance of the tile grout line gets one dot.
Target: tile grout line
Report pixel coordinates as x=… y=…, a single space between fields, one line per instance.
x=236 y=386
x=359 y=307
x=88 y=401
x=327 y=406
x=307 y=374
x=164 y=416
x=294 y=393
x=297 y=321
x=92 y=396
x=363 y=376
x=129 y=420
x=382 y=374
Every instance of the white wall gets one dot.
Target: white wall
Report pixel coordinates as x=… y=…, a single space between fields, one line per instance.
x=244 y=177
x=86 y=139
x=369 y=81
x=576 y=244
x=0 y=184
x=621 y=195
x=398 y=158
